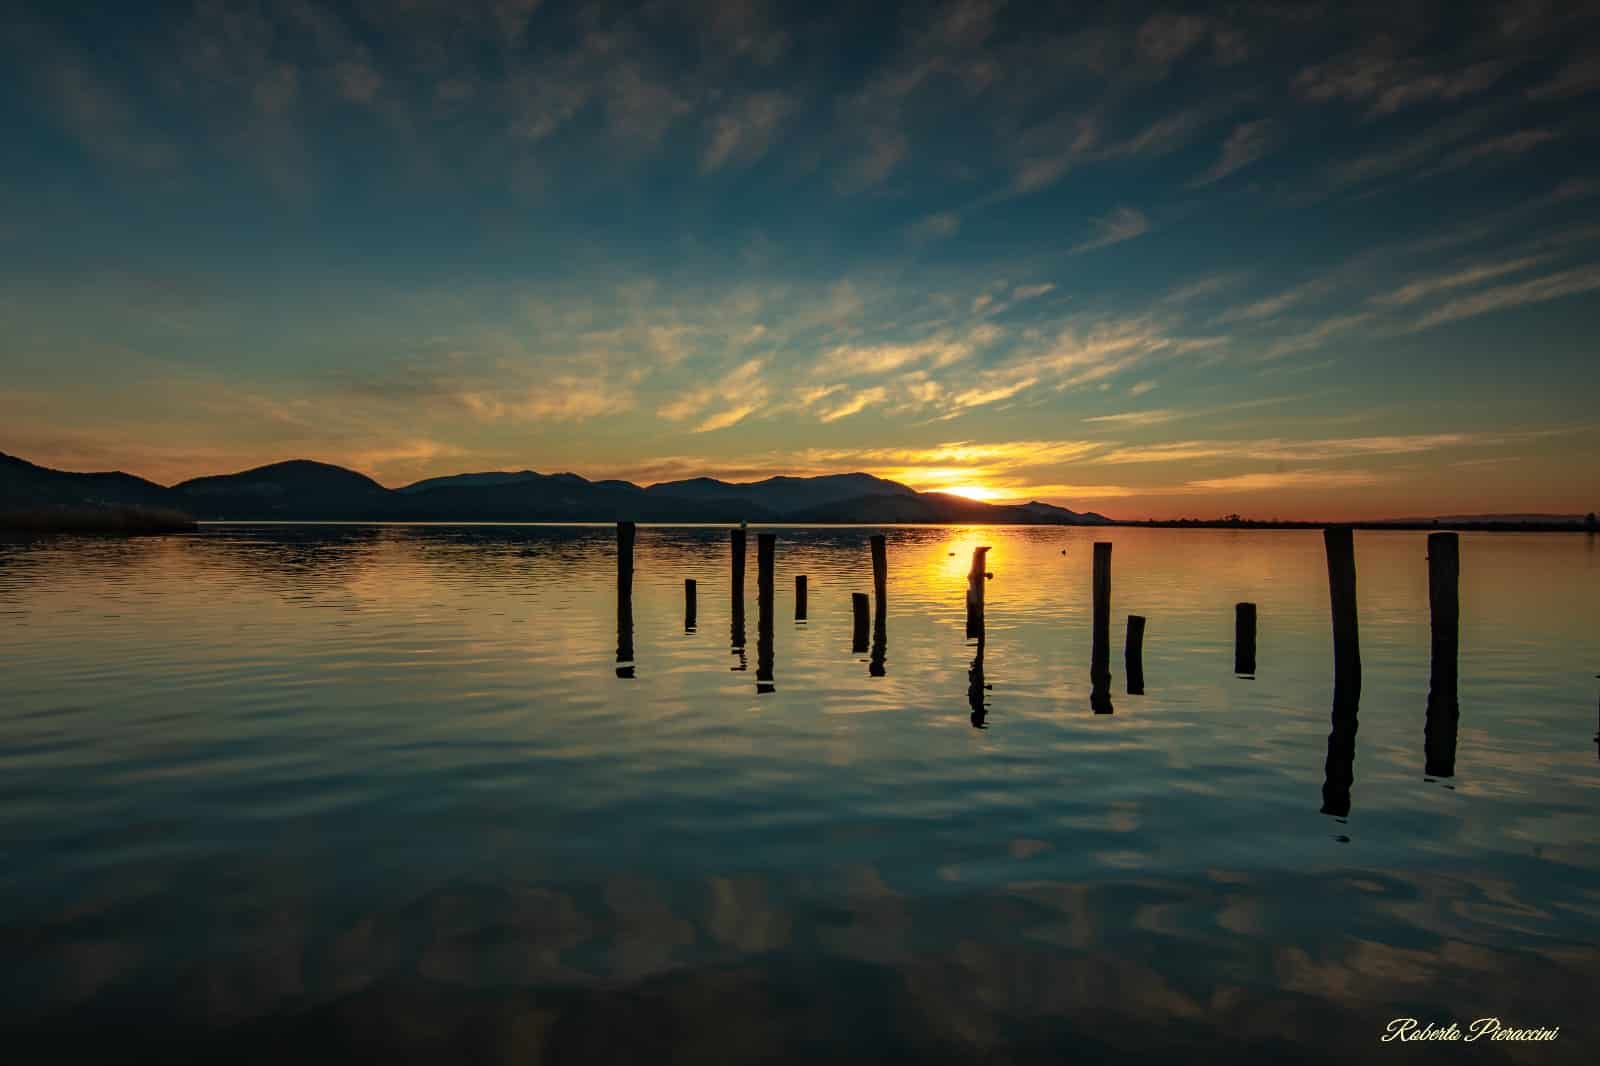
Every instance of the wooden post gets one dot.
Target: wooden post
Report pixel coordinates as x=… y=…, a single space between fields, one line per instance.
x=880 y=614
x=859 y=608
x=766 y=544
x=975 y=586
x=1100 y=648
x=1133 y=655
x=736 y=541
x=977 y=688
x=799 y=597
x=1444 y=607
x=880 y=573
x=688 y=604
x=625 y=533
x=1244 y=639
x=1342 y=597
x=736 y=596
x=1339 y=770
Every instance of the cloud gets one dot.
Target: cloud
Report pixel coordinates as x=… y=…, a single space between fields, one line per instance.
x=1275 y=450
x=1200 y=287
x=1287 y=479
x=742 y=133
x=100 y=117
x=1139 y=388
x=858 y=360
x=1376 y=74
x=1512 y=144
x=855 y=404
x=1123 y=224
x=935 y=227
x=1246 y=144
x=560 y=399
x=1576 y=78
x=739 y=394
x=1538 y=290
x=1314 y=337
x=1028 y=292
x=1421 y=289
x=1272 y=306
x=1165 y=38
x=1153 y=417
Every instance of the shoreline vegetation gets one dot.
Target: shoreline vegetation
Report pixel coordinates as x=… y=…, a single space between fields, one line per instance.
x=116 y=521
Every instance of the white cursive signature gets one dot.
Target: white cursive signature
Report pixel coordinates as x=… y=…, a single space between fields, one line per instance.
x=1407 y=1029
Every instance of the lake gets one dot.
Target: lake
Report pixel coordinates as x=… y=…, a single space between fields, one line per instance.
x=311 y=790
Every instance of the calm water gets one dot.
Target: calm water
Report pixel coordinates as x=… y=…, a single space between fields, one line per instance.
x=348 y=787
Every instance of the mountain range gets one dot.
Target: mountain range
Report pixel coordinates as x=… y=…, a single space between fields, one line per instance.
x=304 y=490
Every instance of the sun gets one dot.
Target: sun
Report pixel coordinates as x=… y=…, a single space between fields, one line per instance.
x=971 y=492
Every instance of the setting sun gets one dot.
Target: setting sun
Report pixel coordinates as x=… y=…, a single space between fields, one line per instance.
x=971 y=492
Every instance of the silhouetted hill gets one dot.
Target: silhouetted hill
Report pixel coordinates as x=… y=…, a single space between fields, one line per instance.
x=304 y=490
x=24 y=484
x=931 y=507
x=1051 y=513
x=782 y=495
x=296 y=489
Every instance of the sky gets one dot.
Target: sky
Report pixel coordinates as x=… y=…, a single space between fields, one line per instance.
x=1296 y=260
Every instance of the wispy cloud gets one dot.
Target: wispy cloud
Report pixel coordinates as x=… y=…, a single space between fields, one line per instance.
x=743 y=132
x=1123 y=224
x=1538 y=290
x=1288 y=479
x=1274 y=450
x=1272 y=306
x=739 y=394
x=935 y=227
x=855 y=404
x=1246 y=144
x=1473 y=275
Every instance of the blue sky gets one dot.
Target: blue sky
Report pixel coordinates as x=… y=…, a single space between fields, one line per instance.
x=1312 y=260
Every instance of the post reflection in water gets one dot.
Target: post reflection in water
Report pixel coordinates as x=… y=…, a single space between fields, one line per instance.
x=976 y=688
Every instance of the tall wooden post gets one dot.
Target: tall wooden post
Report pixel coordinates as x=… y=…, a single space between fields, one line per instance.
x=800 y=597
x=1100 y=648
x=736 y=634
x=1244 y=639
x=625 y=536
x=1341 y=552
x=1339 y=769
x=880 y=614
x=975 y=589
x=766 y=544
x=1133 y=655
x=689 y=604
x=1444 y=607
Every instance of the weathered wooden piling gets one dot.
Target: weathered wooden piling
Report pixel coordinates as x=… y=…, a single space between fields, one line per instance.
x=880 y=574
x=975 y=597
x=736 y=636
x=1100 y=648
x=689 y=605
x=1339 y=770
x=1444 y=607
x=625 y=537
x=766 y=544
x=859 y=608
x=880 y=613
x=1244 y=639
x=1340 y=547
x=1133 y=655
x=799 y=597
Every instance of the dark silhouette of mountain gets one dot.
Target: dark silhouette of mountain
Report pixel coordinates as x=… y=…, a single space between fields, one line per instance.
x=931 y=507
x=782 y=495
x=303 y=490
x=299 y=488
x=1050 y=512
x=23 y=484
